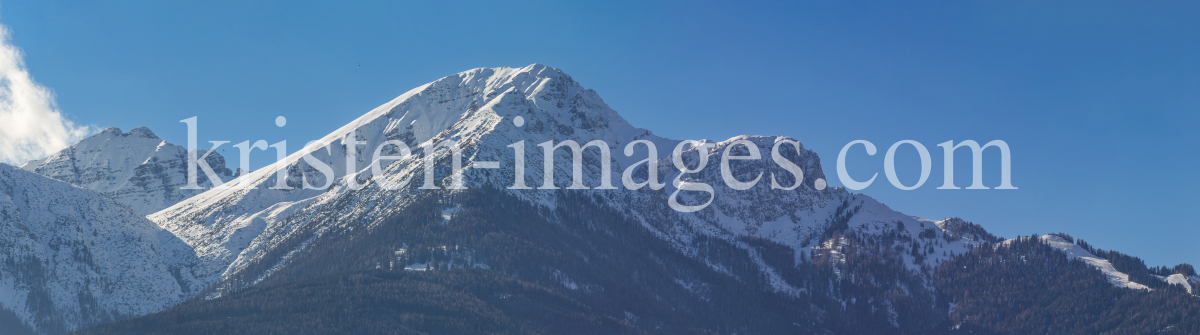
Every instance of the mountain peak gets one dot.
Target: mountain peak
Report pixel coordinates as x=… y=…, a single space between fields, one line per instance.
x=542 y=69
x=136 y=168
x=142 y=132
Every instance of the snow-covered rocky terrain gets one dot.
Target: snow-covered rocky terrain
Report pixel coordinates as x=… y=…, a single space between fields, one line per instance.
x=786 y=239
x=71 y=258
x=136 y=168
x=477 y=109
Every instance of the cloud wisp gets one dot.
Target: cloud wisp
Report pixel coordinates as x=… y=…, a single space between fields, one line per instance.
x=31 y=126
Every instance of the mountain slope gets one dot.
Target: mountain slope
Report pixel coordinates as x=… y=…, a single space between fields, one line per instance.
x=1045 y=285
x=136 y=168
x=257 y=235
x=1073 y=251
x=603 y=259
x=476 y=109
x=382 y=303
x=1018 y=287
x=459 y=107
x=71 y=258
x=759 y=260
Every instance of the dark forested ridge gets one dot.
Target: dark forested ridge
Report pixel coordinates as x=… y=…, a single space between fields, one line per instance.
x=1028 y=287
x=499 y=265
x=608 y=266
x=467 y=301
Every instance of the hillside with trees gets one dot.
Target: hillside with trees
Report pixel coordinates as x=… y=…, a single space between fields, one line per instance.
x=495 y=264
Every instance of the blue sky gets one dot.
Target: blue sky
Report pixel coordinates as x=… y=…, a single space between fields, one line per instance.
x=1099 y=101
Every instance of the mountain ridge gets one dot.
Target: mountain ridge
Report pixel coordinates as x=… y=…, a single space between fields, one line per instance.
x=233 y=229
x=136 y=168
x=814 y=259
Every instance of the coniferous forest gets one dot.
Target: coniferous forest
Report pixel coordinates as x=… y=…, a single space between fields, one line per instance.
x=497 y=266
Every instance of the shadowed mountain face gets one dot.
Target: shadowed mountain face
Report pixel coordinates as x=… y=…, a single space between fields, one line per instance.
x=498 y=264
x=593 y=256
x=74 y=258
x=136 y=168
x=459 y=302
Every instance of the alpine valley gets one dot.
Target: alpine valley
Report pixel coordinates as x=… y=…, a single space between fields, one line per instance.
x=386 y=250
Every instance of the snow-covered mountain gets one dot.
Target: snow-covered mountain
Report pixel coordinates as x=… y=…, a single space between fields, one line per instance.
x=477 y=109
x=802 y=258
x=71 y=258
x=136 y=168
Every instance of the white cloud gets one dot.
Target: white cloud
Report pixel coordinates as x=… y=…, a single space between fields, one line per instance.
x=31 y=125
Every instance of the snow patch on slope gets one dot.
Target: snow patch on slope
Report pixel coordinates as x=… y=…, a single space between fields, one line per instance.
x=1179 y=279
x=1073 y=251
